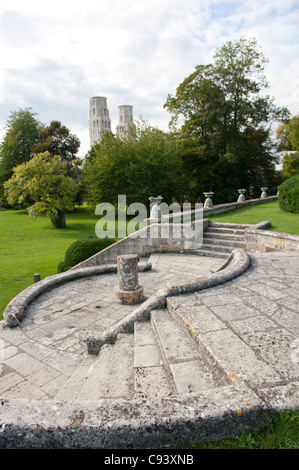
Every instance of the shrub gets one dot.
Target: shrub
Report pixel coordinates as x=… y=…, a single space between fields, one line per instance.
x=289 y=195
x=81 y=250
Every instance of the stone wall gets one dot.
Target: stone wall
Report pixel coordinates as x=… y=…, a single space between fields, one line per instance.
x=265 y=240
x=153 y=238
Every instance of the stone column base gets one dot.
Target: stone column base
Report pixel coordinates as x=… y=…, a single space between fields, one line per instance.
x=130 y=296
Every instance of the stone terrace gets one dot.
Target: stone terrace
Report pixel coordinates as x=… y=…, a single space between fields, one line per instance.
x=209 y=364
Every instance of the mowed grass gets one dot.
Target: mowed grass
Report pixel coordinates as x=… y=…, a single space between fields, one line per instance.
x=33 y=246
x=280 y=221
x=281 y=432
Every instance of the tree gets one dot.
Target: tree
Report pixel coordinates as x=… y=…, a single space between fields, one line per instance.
x=146 y=166
x=44 y=185
x=288 y=137
x=222 y=107
x=58 y=140
x=21 y=136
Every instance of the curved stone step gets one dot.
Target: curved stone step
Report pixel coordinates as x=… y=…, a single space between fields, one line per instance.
x=223 y=242
x=224 y=236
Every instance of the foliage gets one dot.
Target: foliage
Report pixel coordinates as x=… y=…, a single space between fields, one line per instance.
x=21 y=136
x=289 y=195
x=222 y=108
x=288 y=137
x=290 y=164
x=147 y=165
x=43 y=184
x=81 y=250
x=57 y=140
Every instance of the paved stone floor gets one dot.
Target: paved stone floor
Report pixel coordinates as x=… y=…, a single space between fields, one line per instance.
x=40 y=356
x=250 y=326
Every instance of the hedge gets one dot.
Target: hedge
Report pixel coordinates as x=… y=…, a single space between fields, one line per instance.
x=81 y=250
x=288 y=195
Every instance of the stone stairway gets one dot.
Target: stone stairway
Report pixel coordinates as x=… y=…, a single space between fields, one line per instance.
x=219 y=239
x=159 y=359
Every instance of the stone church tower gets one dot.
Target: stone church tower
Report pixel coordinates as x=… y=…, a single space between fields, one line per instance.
x=125 y=121
x=99 y=118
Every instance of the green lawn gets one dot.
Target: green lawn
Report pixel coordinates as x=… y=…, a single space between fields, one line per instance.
x=280 y=221
x=281 y=432
x=29 y=246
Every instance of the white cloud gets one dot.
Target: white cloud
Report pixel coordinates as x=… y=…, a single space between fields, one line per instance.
x=57 y=54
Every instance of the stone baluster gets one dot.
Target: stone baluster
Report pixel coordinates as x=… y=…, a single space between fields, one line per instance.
x=242 y=192
x=208 y=202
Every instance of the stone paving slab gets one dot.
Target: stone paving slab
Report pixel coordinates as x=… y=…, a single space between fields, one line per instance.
x=249 y=326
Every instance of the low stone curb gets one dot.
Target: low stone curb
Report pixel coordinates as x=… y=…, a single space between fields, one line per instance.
x=239 y=263
x=169 y=422
x=16 y=309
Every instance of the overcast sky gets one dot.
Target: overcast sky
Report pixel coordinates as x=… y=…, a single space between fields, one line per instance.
x=56 y=55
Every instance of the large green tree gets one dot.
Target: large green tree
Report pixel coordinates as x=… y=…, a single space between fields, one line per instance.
x=223 y=109
x=147 y=165
x=43 y=184
x=288 y=137
x=21 y=135
x=57 y=139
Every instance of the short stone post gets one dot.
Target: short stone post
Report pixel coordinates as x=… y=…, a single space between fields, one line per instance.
x=208 y=202
x=264 y=194
x=128 y=291
x=242 y=192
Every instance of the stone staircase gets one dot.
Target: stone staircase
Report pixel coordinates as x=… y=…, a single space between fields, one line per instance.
x=219 y=239
x=160 y=359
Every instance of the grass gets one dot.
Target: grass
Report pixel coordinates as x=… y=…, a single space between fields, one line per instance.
x=30 y=246
x=281 y=432
x=280 y=221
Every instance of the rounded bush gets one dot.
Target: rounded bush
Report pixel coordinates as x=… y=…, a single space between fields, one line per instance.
x=81 y=250
x=289 y=195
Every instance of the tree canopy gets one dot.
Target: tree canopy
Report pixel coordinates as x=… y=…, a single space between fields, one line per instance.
x=221 y=106
x=148 y=165
x=57 y=140
x=22 y=128
x=288 y=137
x=43 y=184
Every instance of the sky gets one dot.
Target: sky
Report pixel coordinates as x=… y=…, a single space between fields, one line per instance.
x=56 y=55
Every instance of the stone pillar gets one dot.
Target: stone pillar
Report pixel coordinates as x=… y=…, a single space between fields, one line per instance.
x=208 y=202
x=242 y=192
x=128 y=291
x=156 y=214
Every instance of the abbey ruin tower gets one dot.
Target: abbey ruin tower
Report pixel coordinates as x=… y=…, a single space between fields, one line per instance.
x=100 y=122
